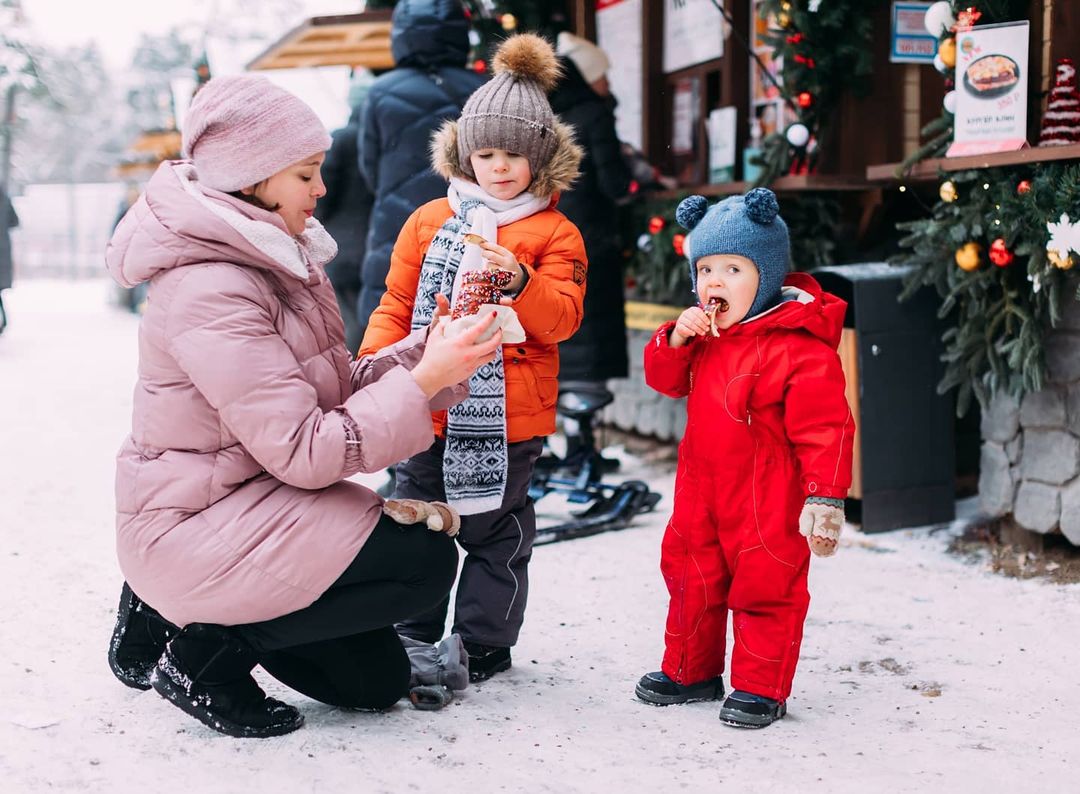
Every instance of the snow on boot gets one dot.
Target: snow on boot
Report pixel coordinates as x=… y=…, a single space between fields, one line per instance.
x=206 y=672
x=486 y=660
x=138 y=640
x=745 y=710
x=658 y=689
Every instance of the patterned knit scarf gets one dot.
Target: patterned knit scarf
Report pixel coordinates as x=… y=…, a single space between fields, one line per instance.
x=476 y=457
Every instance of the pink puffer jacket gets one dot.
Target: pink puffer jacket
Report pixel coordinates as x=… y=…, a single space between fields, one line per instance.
x=229 y=494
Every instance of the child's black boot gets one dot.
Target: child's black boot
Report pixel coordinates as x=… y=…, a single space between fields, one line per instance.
x=658 y=689
x=486 y=660
x=138 y=640
x=206 y=672
x=744 y=710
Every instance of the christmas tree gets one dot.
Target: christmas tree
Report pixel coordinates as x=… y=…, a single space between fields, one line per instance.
x=1061 y=122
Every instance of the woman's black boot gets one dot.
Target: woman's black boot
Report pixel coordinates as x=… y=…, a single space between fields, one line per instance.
x=138 y=640
x=206 y=671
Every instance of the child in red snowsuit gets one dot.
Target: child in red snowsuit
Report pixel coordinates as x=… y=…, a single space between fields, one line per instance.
x=765 y=460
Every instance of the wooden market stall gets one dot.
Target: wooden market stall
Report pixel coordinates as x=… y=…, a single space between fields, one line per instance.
x=342 y=40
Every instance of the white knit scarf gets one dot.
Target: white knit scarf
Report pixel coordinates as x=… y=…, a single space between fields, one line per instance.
x=476 y=458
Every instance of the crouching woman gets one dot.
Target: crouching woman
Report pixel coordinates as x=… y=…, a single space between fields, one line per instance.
x=240 y=541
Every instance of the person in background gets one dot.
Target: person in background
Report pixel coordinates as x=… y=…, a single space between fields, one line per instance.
x=235 y=521
x=428 y=85
x=345 y=210
x=8 y=221
x=764 y=465
x=506 y=159
x=581 y=99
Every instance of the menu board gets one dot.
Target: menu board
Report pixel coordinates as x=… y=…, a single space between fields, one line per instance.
x=991 y=89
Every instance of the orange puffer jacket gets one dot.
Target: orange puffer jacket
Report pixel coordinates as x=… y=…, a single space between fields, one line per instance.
x=551 y=249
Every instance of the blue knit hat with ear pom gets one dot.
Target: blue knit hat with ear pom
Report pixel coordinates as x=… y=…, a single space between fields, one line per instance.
x=747 y=225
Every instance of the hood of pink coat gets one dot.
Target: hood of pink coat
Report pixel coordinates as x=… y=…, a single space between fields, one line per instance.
x=805 y=306
x=178 y=222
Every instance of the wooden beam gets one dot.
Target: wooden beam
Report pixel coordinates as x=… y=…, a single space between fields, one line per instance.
x=342 y=40
x=928 y=169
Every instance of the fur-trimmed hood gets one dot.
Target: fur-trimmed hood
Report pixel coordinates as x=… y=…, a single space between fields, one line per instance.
x=555 y=177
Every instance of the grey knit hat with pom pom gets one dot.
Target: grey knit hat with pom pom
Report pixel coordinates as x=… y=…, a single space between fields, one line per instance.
x=749 y=226
x=511 y=110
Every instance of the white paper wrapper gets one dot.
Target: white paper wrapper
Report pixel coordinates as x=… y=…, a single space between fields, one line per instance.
x=513 y=333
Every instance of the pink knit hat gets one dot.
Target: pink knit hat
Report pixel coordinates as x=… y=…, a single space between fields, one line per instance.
x=241 y=129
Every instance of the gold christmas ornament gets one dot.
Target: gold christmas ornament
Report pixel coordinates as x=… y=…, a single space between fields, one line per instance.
x=948 y=191
x=947 y=51
x=509 y=22
x=784 y=19
x=968 y=256
x=1057 y=261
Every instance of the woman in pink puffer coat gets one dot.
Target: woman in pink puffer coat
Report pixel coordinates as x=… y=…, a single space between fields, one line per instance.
x=233 y=517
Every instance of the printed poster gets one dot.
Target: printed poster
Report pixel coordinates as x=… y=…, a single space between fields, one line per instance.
x=721 y=127
x=618 y=33
x=693 y=33
x=991 y=89
x=910 y=42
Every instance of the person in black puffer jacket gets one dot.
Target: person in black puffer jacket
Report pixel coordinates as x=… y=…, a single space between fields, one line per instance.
x=429 y=84
x=598 y=350
x=345 y=210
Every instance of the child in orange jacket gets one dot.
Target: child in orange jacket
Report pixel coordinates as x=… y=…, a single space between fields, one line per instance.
x=506 y=159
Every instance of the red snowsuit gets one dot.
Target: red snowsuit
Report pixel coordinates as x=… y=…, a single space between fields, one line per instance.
x=768 y=425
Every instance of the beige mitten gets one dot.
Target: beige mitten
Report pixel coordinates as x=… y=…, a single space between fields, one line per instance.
x=820 y=521
x=438 y=516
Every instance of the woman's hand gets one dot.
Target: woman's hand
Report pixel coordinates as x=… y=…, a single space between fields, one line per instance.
x=448 y=361
x=442 y=309
x=692 y=322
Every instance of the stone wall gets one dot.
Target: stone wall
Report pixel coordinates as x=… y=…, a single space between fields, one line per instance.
x=1030 y=463
x=639 y=409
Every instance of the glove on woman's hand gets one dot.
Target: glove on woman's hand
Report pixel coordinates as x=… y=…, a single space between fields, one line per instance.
x=438 y=516
x=820 y=521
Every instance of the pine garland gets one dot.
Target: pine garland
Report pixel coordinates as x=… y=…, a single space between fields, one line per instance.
x=827 y=51
x=656 y=272
x=998 y=315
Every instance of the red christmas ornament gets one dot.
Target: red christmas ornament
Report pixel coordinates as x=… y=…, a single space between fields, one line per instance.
x=656 y=224
x=807 y=62
x=479 y=66
x=1023 y=187
x=999 y=254
x=967 y=18
x=795 y=38
x=677 y=243
x=806 y=99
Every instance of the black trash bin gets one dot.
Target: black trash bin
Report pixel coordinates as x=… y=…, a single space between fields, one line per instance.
x=905 y=455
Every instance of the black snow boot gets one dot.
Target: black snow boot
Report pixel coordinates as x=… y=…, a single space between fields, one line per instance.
x=138 y=640
x=658 y=689
x=486 y=660
x=744 y=710
x=206 y=671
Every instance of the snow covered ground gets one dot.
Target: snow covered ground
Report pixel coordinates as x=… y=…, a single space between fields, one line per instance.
x=919 y=672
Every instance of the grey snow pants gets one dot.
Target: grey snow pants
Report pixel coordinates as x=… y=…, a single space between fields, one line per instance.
x=494 y=583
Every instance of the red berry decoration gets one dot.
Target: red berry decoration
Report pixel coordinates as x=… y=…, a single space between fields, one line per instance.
x=806 y=99
x=1023 y=187
x=999 y=254
x=656 y=224
x=677 y=243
